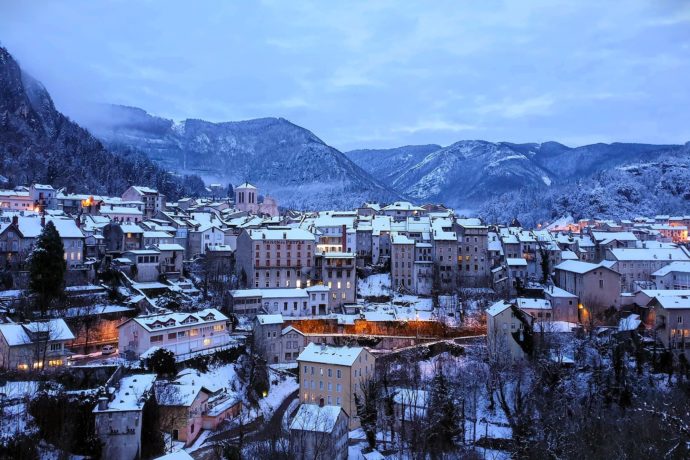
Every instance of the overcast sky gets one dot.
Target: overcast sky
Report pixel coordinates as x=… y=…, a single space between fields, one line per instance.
x=374 y=74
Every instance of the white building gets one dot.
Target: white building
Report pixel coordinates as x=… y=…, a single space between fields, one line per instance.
x=181 y=333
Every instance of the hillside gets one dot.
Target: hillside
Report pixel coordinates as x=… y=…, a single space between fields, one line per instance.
x=283 y=159
x=40 y=144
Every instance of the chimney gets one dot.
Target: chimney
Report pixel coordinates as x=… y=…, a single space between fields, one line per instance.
x=15 y=220
x=343 y=243
x=102 y=403
x=78 y=222
x=285 y=235
x=320 y=402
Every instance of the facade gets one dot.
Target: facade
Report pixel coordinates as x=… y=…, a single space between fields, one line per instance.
x=152 y=199
x=671 y=318
x=311 y=301
x=35 y=345
x=181 y=333
x=276 y=257
x=319 y=432
x=247 y=200
x=402 y=259
x=506 y=326
x=118 y=417
x=596 y=286
x=474 y=262
x=275 y=342
x=339 y=275
x=332 y=375
x=675 y=275
x=636 y=266
x=563 y=303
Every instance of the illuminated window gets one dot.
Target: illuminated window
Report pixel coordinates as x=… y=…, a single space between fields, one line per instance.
x=194 y=332
x=218 y=327
x=207 y=342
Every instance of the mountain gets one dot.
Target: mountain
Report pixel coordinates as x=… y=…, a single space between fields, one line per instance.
x=647 y=186
x=39 y=144
x=469 y=173
x=281 y=158
x=388 y=164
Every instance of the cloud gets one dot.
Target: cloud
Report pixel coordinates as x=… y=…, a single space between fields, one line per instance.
x=435 y=125
x=509 y=108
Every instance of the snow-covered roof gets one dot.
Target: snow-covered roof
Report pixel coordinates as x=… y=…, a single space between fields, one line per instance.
x=554 y=326
x=674 y=302
x=680 y=267
x=144 y=190
x=293 y=234
x=631 y=323
x=397 y=238
x=608 y=237
x=169 y=247
x=156 y=234
x=534 y=304
x=402 y=206
x=498 y=308
x=131 y=228
x=269 y=319
x=576 y=266
x=311 y=417
x=555 y=292
x=568 y=255
x=326 y=354
x=19 y=334
x=174 y=320
x=245 y=185
x=131 y=393
x=517 y=262
x=648 y=254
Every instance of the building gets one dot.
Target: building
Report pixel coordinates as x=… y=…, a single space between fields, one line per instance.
x=275 y=342
x=247 y=199
x=402 y=259
x=319 y=432
x=506 y=330
x=675 y=275
x=36 y=345
x=474 y=263
x=276 y=257
x=181 y=333
x=119 y=416
x=144 y=266
x=153 y=200
x=637 y=265
x=401 y=210
x=563 y=303
x=311 y=301
x=671 y=319
x=332 y=375
x=338 y=273
x=596 y=286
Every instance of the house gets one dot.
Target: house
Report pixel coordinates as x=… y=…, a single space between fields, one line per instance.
x=310 y=301
x=152 y=199
x=203 y=237
x=401 y=210
x=670 y=316
x=18 y=236
x=332 y=375
x=275 y=342
x=145 y=265
x=563 y=303
x=119 y=415
x=171 y=256
x=35 y=345
x=637 y=265
x=675 y=275
x=539 y=309
x=181 y=409
x=474 y=262
x=123 y=214
x=276 y=257
x=339 y=274
x=319 y=432
x=596 y=286
x=121 y=237
x=508 y=330
x=181 y=333
x=402 y=258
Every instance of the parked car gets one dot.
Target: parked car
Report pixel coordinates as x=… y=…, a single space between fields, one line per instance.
x=108 y=349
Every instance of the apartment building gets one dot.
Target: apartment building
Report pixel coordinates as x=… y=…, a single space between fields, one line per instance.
x=276 y=342
x=506 y=328
x=474 y=262
x=276 y=257
x=332 y=375
x=310 y=301
x=671 y=316
x=596 y=286
x=153 y=200
x=402 y=259
x=675 y=275
x=338 y=273
x=181 y=333
x=637 y=265
x=35 y=345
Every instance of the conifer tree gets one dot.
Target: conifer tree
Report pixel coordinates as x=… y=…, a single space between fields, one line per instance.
x=47 y=267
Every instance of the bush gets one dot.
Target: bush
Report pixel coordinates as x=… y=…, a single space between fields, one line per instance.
x=162 y=362
x=20 y=446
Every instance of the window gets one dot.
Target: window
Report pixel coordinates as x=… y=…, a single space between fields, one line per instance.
x=156 y=338
x=306 y=369
x=337 y=400
x=338 y=388
x=680 y=319
x=330 y=386
x=337 y=373
x=55 y=346
x=194 y=332
x=601 y=284
x=172 y=336
x=330 y=372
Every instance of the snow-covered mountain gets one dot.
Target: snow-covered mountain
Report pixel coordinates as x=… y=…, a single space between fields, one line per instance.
x=388 y=164
x=39 y=144
x=469 y=173
x=283 y=159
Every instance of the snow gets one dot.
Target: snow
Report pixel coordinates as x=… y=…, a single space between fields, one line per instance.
x=172 y=320
x=341 y=356
x=311 y=417
x=16 y=334
x=546 y=179
x=277 y=393
x=130 y=394
x=651 y=254
x=374 y=285
x=270 y=319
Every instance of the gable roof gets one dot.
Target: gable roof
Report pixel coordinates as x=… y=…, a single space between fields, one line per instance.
x=311 y=417
x=326 y=354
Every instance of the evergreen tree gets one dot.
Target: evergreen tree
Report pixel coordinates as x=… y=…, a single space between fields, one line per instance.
x=444 y=418
x=231 y=191
x=47 y=267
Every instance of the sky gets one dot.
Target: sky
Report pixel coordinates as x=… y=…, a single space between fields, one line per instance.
x=373 y=74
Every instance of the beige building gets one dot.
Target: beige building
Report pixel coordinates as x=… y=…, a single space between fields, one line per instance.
x=596 y=286
x=153 y=201
x=276 y=257
x=35 y=345
x=333 y=375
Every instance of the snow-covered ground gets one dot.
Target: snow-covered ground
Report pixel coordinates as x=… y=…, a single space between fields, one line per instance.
x=374 y=285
